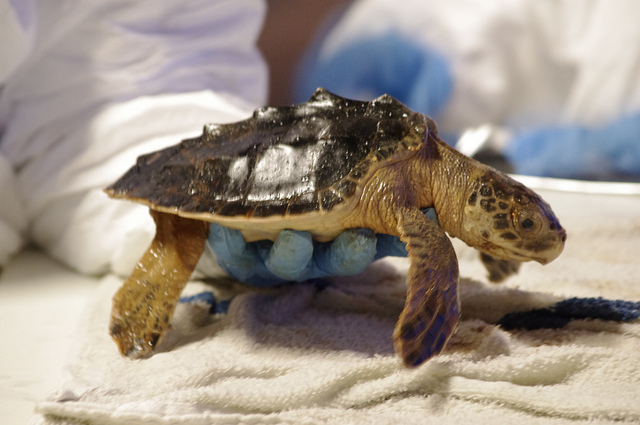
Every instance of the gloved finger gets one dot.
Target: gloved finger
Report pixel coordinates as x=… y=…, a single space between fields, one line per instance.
x=389 y=245
x=348 y=254
x=228 y=245
x=238 y=258
x=289 y=256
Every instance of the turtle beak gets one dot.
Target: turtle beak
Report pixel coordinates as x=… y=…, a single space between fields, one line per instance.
x=553 y=246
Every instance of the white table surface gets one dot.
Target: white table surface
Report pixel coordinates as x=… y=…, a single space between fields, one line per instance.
x=41 y=303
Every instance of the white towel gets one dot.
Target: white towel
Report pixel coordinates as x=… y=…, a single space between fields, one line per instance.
x=314 y=354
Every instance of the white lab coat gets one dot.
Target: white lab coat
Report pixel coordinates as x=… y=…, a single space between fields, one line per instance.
x=517 y=63
x=87 y=86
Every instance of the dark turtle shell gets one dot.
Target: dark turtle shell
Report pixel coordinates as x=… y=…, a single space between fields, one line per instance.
x=283 y=160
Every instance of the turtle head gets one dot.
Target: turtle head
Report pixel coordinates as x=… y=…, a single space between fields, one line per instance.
x=506 y=220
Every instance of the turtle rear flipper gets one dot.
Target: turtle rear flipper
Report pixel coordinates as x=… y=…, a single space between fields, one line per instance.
x=499 y=270
x=431 y=310
x=144 y=305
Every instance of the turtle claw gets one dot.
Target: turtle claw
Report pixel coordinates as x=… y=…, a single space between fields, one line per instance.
x=130 y=343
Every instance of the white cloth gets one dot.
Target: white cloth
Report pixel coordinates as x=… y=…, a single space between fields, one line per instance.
x=305 y=356
x=90 y=85
x=516 y=63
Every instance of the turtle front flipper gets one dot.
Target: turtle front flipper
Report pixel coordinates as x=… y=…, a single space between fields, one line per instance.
x=431 y=310
x=144 y=305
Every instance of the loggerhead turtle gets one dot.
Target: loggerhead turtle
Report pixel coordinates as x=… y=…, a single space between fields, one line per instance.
x=324 y=166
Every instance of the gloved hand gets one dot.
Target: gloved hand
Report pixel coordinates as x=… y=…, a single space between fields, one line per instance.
x=387 y=63
x=573 y=151
x=294 y=256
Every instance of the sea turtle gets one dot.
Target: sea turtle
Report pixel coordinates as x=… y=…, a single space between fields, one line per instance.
x=324 y=166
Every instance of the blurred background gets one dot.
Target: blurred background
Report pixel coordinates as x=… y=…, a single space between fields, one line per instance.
x=541 y=88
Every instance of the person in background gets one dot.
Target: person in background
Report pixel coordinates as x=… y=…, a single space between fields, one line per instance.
x=557 y=81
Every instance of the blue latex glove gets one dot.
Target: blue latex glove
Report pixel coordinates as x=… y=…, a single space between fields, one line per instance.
x=579 y=152
x=387 y=63
x=294 y=256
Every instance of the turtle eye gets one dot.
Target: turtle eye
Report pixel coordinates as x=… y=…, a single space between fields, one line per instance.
x=527 y=222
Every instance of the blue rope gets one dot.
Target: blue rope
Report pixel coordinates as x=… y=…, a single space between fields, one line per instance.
x=560 y=314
